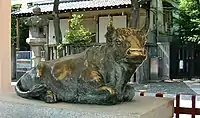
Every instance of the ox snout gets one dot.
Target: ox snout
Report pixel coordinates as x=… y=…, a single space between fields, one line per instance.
x=136 y=55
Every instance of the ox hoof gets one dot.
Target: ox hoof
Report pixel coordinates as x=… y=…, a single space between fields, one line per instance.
x=111 y=90
x=129 y=92
x=50 y=97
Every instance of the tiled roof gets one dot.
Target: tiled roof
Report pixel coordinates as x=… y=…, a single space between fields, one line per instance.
x=83 y=4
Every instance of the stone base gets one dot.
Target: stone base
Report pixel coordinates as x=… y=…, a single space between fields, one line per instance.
x=12 y=106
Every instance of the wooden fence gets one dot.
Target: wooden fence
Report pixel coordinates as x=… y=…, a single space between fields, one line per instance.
x=182 y=110
x=67 y=49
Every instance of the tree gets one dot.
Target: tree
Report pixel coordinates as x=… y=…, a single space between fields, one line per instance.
x=56 y=21
x=23 y=30
x=13 y=29
x=189 y=21
x=135 y=14
x=135 y=11
x=13 y=24
x=78 y=34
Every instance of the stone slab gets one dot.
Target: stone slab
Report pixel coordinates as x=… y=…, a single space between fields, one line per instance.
x=36 y=41
x=12 y=106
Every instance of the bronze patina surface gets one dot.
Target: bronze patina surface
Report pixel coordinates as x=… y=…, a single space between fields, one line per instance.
x=98 y=75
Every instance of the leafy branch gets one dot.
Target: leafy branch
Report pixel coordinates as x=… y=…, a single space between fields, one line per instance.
x=77 y=33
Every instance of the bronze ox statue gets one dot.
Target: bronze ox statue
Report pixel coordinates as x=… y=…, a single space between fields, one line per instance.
x=98 y=75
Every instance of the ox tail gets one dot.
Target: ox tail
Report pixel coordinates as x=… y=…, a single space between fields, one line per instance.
x=29 y=86
x=36 y=91
x=20 y=91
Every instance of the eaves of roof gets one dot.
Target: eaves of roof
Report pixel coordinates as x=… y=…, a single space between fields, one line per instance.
x=86 y=4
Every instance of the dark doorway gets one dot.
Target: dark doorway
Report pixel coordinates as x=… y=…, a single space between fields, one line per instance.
x=184 y=60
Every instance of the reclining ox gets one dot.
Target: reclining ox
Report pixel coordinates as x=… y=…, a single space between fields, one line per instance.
x=98 y=75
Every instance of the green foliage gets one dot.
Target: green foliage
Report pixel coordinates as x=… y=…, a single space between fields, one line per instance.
x=23 y=31
x=77 y=33
x=13 y=29
x=16 y=7
x=13 y=24
x=24 y=34
x=189 y=20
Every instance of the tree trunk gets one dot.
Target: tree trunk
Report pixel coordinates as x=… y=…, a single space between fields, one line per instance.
x=56 y=21
x=142 y=74
x=135 y=13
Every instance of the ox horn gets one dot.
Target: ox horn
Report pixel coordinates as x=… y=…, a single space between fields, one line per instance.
x=110 y=26
x=110 y=31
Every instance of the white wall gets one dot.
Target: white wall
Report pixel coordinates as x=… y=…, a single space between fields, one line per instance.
x=64 y=25
x=90 y=24
x=118 y=22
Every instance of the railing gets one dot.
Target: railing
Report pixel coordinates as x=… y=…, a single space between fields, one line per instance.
x=24 y=58
x=182 y=110
x=68 y=49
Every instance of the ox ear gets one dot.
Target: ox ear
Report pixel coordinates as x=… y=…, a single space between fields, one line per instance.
x=110 y=32
x=110 y=24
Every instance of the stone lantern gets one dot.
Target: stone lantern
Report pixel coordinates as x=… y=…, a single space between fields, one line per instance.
x=37 y=37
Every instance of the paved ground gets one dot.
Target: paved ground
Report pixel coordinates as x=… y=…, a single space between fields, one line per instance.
x=170 y=89
x=167 y=88
x=194 y=85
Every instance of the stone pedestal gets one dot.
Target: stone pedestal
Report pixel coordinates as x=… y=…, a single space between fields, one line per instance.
x=141 y=107
x=36 y=45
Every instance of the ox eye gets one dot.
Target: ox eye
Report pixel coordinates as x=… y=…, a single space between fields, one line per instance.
x=126 y=44
x=118 y=42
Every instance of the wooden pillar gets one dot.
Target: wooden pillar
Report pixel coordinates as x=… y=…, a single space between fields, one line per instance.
x=70 y=17
x=5 y=46
x=46 y=47
x=13 y=61
x=17 y=33
x=96 y=18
